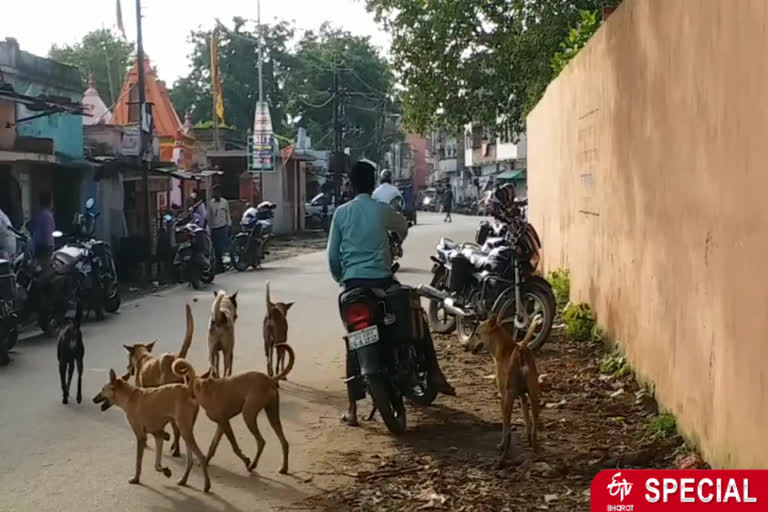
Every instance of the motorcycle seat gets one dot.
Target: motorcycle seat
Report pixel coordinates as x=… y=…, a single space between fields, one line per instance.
x=447 y=243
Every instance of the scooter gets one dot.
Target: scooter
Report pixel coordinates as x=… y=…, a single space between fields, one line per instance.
x=194 y=260
x=249 y=246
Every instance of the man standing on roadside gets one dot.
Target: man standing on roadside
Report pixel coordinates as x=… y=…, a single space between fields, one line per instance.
x=42 y=227
x=221 y=221
x=448 y=203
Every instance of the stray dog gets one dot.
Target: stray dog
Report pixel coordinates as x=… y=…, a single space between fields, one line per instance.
x=249 y=393
x=71 y=352
x=516 y=376
x=221 y=331
x=275 y=333
x=147 y=411
x=150 y=371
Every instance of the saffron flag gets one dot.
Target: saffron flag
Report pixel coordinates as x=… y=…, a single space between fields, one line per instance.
x=216 y=76
x=120 y=26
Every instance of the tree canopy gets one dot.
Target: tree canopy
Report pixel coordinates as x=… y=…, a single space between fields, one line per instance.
x=102 y=55
x=297 y=79
x=482 y=60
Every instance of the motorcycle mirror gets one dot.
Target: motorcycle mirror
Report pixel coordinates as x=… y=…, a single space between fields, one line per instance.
x=168 y=217
x=57 y=234
x=89 y=203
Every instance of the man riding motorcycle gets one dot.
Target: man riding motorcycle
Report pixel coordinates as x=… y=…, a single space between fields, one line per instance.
x=359 y=257
x=386 y=192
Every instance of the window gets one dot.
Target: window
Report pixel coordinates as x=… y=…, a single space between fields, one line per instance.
x=133 y=105
x=477 y=136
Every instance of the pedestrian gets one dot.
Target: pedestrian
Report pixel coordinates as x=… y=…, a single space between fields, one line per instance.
x=447 y=204
x=41 y=226
x=220 y=224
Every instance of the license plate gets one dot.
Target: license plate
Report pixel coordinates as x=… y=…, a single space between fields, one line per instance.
x=185 y=245
x=363 y=338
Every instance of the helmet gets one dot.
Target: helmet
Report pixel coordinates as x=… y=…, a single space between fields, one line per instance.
x=385 y=176
x=503 y=201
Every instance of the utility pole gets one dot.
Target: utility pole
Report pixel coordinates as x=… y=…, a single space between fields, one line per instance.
x=142 y=145
x=214 y=85
x=338 y=130
x=261 y=87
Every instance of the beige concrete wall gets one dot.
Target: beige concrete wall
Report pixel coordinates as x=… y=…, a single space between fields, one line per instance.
x=648 y=175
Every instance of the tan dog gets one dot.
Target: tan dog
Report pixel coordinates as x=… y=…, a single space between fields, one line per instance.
x=150 y=371
x=249 y=393
x=148 y=411
x=516 y=376
x=275 y=333
x=221 y=331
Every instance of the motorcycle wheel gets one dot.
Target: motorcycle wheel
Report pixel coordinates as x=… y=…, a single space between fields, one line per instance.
x=465 y=328
x=239 y=254
x=207 y=275
x=391 y=408
x=537 y=298
x=440 y=323
x=425 y=394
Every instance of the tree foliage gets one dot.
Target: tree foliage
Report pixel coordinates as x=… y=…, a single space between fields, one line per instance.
x=238 y=61
x=481 y=60
x=102 y=55
x=576 y=40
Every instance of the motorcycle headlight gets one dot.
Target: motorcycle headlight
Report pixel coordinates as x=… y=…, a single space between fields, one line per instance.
x=427 y=200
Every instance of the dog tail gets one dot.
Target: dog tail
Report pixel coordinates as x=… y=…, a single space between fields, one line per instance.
x=291 y=359
x=535 y=322
x=182 y=368
x=269 y=300
x=188 y=335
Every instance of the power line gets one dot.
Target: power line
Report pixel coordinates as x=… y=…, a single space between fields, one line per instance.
x=322 y=105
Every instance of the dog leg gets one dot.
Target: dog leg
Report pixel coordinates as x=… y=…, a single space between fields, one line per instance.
x=228 y=363
x=235 y=448
x=507 y=430
x=249 y=415
x=159 y=457
x=79 y=379
x=526 y=417
x=273 y=414
x=270 y=354
x=535 y=422
x=140 y=442
x=63 y=376
x=193 y=448
x=176 y=445
x=500 y=446
x=215 y=442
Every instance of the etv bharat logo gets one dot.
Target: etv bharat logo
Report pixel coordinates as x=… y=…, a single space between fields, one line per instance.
x=619 y=488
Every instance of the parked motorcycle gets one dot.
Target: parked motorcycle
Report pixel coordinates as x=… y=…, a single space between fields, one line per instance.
x=472 y=281
x=194 y=260
x=8 y=319
x=383 y=331
x=249 y=246
x=88 y=263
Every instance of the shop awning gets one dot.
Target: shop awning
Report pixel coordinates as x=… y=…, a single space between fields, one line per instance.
x=512 y=175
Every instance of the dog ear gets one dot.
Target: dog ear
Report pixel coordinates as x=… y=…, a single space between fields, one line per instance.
x=150 y=346
x=128 y=348
x=112 y=376
x=233 y=297
x=288 y=306
x=215 y=294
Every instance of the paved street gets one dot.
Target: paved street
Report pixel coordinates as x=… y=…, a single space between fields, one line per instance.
x=76 y=458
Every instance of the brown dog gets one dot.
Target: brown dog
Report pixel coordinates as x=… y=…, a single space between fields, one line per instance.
x=221 y=331
x=275 y=333
x=247 y=393
x=516 y=376
x=150 y=371
x=148 y=411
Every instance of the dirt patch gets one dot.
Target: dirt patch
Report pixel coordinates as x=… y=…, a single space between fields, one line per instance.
x=447 y=459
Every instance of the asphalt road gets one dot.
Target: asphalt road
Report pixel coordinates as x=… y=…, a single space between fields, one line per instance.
x=76 y=458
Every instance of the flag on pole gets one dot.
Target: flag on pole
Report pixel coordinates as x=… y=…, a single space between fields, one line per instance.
x=216 y=76
x=120 y=26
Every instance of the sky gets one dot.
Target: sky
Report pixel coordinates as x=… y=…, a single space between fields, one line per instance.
x=37 y=24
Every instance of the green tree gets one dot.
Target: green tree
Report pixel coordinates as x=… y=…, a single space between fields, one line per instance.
x=238 y=61
x=576 y=40
x=101 y=55
x=363 y=74
x=483 y=60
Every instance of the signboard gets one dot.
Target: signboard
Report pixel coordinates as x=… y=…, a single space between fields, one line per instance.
x=261 y=154
x=130 y=143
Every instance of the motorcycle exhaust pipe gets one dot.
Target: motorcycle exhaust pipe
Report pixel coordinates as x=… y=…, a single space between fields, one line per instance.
x=433 y=293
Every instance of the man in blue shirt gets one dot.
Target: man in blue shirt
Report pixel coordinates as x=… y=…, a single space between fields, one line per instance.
x=359 y=257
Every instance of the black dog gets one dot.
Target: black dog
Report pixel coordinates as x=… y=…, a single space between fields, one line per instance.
x=70 y=352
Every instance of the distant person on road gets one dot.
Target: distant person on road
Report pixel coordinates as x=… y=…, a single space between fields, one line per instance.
x=220 y=225
x=386 y=192
x=447 y=204
x=41 y=226
x=359 y=257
